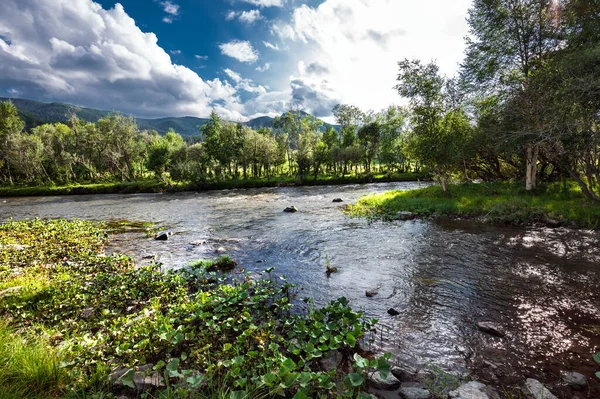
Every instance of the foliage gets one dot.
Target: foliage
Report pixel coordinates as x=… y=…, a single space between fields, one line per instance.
x=241 y=334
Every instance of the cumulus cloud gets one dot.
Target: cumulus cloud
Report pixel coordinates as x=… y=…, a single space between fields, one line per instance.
x=250 y=17
x=170 y=8
x=241 y=50
x=101 y=59
x=233 y=75
x=247 y=17
x=355 y=45
x=266 y=3
x=264 y=68
x=316 y=98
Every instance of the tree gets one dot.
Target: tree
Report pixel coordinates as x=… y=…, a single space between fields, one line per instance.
x=10 y=127
x=509 y=41
x=392 y=124
x=369 y=136
x=439 y=131
x=349 y=118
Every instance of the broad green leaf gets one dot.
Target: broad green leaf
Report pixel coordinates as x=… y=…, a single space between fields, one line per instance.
x=361 y=361
x=350 y=340
x=356 y=380
x=127 y=378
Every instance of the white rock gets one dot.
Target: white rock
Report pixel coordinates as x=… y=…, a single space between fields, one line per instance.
x=470 y=390
x=537 y=390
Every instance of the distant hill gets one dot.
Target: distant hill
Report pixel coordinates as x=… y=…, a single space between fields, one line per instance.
x=35 y=113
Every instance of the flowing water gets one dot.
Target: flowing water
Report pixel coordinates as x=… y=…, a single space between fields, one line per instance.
x=541 y=285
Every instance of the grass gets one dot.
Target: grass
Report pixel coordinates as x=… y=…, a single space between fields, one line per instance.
x=29 y=366
x=156 y=186
x=506 y=203
x=79 y=315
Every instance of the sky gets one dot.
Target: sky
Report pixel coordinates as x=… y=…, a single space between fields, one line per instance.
x=240 y=58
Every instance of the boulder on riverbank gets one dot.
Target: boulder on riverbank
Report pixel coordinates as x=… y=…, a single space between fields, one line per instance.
x=386 y=384
x=537 y=390
x=291 y=209
x=406 y=216
x=473 y=390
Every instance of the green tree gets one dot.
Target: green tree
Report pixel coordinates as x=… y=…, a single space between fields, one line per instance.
x=439 y=131
x=10 y=127
x=509 y=41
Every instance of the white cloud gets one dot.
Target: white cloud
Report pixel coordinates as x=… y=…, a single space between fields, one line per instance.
x=167 y=20
x=201 y=57
x=247 y=17
x=354 y=45
x=175 y=52
x=233 y=75
x=240 y=50
x=271 y=46
x=266 y=3
x=230 y=15
x=103 y=60
x=250 y=17
x=264 y=68
x=170 y=8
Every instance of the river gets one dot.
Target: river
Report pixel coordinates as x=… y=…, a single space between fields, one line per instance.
x=540 y=284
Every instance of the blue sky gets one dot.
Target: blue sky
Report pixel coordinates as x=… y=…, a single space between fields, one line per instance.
x=241 y=58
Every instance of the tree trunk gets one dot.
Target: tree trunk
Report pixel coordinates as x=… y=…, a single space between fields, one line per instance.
x=531 y=172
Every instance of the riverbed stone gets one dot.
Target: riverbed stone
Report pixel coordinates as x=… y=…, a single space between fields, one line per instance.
x=491 y=328
x=470 y=390
x=406 y=216
x=338 y=200
x=393 y=312
x=163 y=236
x=371 y=293
x=291 y=209
x=414 y=393
x=390 y=383
x=404 y=373
x=574 y=379
x=537 y=390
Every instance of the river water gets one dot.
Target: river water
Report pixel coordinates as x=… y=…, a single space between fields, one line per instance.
x=541 y=285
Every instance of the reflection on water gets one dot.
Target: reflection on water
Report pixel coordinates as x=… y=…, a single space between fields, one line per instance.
x=540 y=284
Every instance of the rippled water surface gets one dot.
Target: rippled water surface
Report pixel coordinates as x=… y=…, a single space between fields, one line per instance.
x=542 y=285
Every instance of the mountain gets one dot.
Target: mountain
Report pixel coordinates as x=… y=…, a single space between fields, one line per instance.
x=35 y=113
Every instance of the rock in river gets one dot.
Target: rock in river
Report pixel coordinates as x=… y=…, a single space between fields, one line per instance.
x=537 y=390
x=291 y=209
x=414 y=393
x=491 y=328
x=163 y=236
x=406 y=216
x=574 y=380
x=472 y=390
x=338 y=200
x=393 y=312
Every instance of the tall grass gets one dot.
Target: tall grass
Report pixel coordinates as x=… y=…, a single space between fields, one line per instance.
x=29 y=366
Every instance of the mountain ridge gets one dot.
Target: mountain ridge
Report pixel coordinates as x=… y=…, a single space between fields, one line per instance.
x=35 y=113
